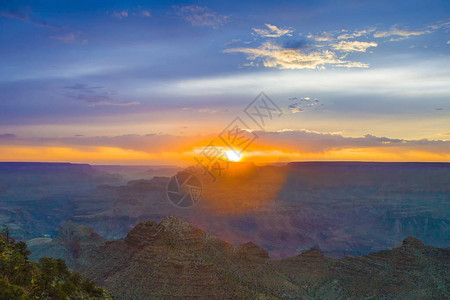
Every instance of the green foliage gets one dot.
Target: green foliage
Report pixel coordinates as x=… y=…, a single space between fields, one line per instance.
x=21 y=278
x=10 y=291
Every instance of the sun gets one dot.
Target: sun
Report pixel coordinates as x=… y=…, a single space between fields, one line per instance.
x=233 y=156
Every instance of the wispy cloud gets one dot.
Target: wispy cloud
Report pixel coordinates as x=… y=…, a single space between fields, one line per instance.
x=26 y=17
x=272 y=31
x=353 y=46
x=201 y=16
x=444 y=24
x=95 y=95
x=120 y=14
x=395 y=31
x=323 y=37
x=132 y=12
x=146 y=13
x=274 y=56
x=66 y=38
x=357 y=33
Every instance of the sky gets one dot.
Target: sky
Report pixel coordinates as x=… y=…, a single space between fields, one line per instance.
x=154 y=82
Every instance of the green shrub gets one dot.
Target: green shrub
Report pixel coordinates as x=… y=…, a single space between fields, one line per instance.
x=21 y=278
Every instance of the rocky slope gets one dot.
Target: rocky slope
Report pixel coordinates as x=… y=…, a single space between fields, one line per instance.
x=175 y=259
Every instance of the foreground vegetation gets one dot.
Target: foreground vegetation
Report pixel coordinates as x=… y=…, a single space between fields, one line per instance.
x=21 y=278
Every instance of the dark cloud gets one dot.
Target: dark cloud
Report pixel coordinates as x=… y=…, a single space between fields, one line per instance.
x=303 y=104
x=295 y=44
x=84 y=87
x=89 y=94
x=95 y=95
x=309 y=141
x=7 y=136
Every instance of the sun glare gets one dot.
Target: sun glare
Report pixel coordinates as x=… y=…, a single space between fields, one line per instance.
x=233 y=155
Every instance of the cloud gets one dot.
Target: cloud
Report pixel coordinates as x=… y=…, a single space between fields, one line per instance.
x=298 y=141
x=330 y=36
x=321 y=48
x=84 y=87
x=26 y=17
x=396 y=34
x=272 y=31
x=412 y=82
x=133 y=12
x=95 y=95
x=67 y=38
x=448 y=42
x=322 y=37
x=312 y=141
x=7 y=136
x=440 y=25
x=149 y=143
x=353 y=46
x=201 y=16
x=120 y=14
x=275 y=56
x=232 y=42
x=394 y=31
x=303 y=104
x=356 y=33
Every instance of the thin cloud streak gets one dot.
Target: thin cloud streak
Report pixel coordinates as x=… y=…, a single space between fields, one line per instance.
x=353 y=46
x=395 y=31
x=95 y=95
x=272 y=31
x=425 y=81
x=27 y=18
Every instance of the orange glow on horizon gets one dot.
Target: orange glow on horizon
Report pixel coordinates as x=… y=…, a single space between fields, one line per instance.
x=184 y=157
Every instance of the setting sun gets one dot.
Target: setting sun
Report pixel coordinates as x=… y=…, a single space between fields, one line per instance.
x=233 y=156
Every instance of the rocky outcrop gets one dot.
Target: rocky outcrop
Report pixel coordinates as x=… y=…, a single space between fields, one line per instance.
x=413 y=242
x=312 y=255
x=143 y=234
x=175 y=259
x=174 y=232
x=251 y=251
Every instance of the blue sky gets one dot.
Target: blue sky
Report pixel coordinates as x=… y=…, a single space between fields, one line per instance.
x=114 y=68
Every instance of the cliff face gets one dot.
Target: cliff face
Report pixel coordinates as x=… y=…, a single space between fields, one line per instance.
x=174 y=258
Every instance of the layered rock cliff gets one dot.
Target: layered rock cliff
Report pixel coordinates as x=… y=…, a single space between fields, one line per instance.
x=175 y=259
